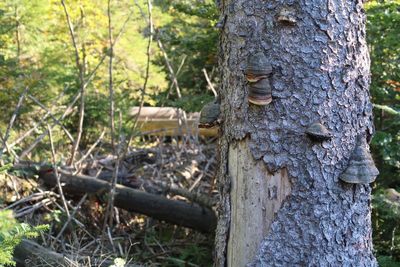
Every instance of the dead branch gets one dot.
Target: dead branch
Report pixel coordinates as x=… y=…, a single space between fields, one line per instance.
x=148 y=54
x=70 y=217
x=56 y=121
x=4 y=138
x=92 y=147
x=81 y=72
x=210 y=85
x=36 y=125
x=28 y=250
x=172 y=211
x=53 y=158
x=170 y=69
x=108 y=218
x=67 y=111
x=177 y=75
x=194 y=197
x=14 y=115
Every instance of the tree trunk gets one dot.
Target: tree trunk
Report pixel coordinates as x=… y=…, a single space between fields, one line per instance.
x=282 y=200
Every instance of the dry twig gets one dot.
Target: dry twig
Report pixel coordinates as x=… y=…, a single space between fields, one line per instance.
x=36 y=125
x=81 y=72
x=110 y=204
x=4 y=138
x=67 y=111
x=53 y=155
x=210 y=85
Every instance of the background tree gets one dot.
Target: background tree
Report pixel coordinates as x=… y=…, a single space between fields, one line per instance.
x=382 y=31
x=190 y=39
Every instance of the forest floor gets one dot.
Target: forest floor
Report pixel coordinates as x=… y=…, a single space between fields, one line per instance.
x=81 y=232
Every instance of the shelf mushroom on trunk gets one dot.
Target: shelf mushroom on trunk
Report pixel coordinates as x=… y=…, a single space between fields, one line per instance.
x=257 y=74
x=210 y=115
x=361 y=168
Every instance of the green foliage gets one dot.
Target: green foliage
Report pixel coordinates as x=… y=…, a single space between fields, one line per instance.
x=11 y=234
x=190 y=103
x=196 y=254
x=190 y=255
x=386 y=216
x=383 y=33
x=37 y=51
x=190 y=35
x=386 y=261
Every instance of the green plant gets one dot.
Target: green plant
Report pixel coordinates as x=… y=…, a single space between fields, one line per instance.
x=191 y=36
x=197 y=254
x=387 y=261
x=11 y=234
x=382 y=37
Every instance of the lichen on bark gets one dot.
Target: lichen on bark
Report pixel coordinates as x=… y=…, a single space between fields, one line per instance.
x=320 y=74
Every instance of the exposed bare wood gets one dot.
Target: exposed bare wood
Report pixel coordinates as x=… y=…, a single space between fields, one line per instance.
x=251 y=211
x=158 y=112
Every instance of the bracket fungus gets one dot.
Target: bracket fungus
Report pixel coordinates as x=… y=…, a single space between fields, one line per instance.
x=318 y=132
x=287 y=16
x=361 y=168
x=257 y=74
x=209 y=115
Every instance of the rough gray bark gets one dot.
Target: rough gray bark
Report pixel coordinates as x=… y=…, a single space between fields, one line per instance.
x=320 y=66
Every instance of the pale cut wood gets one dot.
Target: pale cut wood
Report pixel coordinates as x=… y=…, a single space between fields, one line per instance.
x=159 y=112
x=256 y=197
x=168 y=121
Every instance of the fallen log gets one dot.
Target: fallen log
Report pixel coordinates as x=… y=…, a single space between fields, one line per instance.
x=158 y=207
x=29 y=250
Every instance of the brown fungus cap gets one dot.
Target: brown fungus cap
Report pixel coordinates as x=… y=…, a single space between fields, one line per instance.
x=318 y=132
x=209 y=115
x=258 y=64
x=260 y=93
x=361 y=168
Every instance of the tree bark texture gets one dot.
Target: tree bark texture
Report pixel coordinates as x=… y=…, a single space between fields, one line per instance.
x=320 y=73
